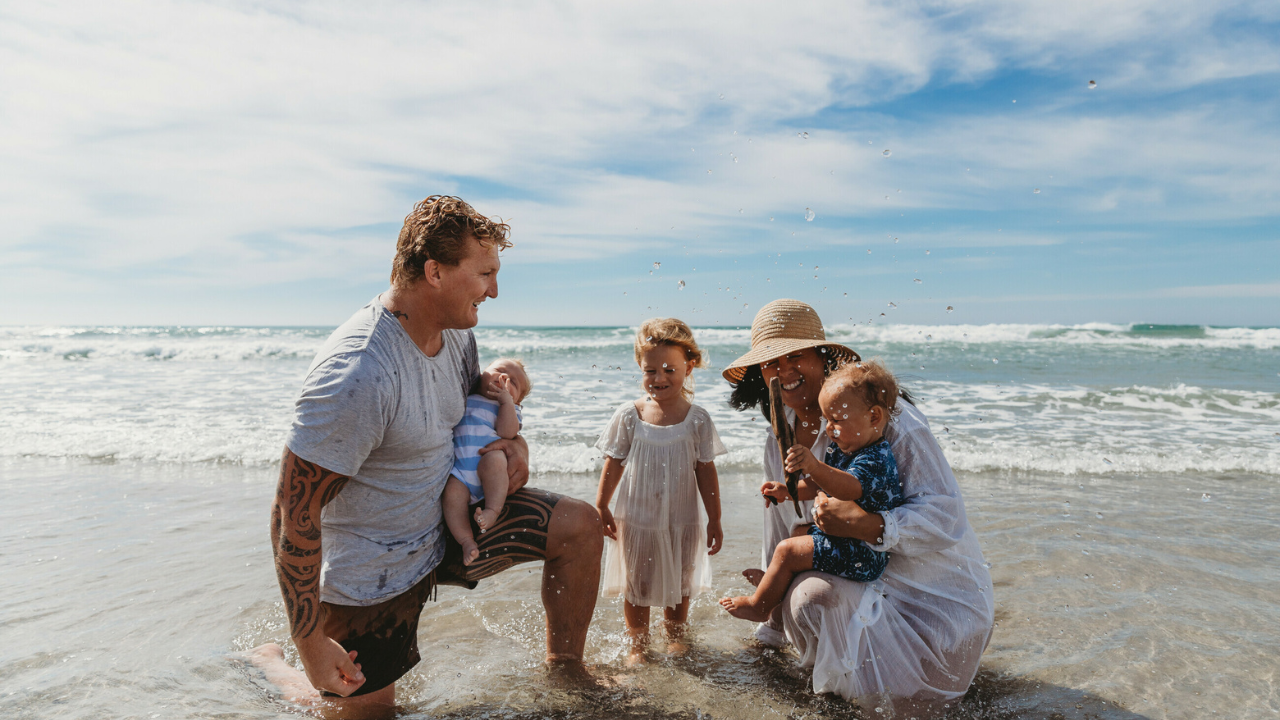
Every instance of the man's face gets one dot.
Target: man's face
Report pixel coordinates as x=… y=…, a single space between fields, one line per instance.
x=467 y=284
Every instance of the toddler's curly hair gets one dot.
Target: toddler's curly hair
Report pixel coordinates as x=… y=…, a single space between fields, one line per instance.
x=869 y=380
x=656 y=332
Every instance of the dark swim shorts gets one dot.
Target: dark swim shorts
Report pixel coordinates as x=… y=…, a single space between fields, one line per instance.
x=385 y=636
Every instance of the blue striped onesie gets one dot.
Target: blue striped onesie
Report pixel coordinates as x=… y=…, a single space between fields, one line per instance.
x=474 y=431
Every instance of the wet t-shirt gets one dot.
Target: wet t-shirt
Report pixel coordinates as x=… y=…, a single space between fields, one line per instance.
x=374 y=407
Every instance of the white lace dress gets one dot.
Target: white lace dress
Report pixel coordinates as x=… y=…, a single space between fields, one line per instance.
x=915 y=635
x=661 y=555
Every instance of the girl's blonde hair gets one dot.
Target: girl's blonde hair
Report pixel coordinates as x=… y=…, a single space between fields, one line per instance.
x=656 y=332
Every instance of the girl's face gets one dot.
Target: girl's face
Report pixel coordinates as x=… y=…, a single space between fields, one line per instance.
x=850 y=423
x=802 y=374
x=663 y=370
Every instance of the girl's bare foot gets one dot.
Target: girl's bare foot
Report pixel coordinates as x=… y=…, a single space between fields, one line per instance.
x=745 y=608
x=635 y=657
x=677 y=647
x=753 y=576
x=485 y=518
x=470 y=551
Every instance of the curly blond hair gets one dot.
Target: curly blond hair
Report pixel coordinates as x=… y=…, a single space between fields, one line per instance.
x=656 y=332
x=438 y=229
x=869 y=381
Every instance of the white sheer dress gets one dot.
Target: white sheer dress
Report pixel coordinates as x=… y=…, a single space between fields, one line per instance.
x=918 y=632
x=662 y=554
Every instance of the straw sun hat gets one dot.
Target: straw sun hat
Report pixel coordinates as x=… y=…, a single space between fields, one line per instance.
x=782 y=327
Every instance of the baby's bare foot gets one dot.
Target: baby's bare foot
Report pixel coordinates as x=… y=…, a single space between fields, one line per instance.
x=485 y=518
x=753 y=576
x=745 y=608
x=470 y=551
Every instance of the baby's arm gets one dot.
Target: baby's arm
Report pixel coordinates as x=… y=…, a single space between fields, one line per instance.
x=508 y=423
x=833 y=481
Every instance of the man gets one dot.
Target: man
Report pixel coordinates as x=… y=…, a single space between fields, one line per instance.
x=356 y=524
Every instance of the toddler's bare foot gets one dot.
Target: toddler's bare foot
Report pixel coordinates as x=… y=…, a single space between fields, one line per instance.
x=745 y=608
x=470 y=551
x=677 y=647
x=753 y=576
x=485 y=518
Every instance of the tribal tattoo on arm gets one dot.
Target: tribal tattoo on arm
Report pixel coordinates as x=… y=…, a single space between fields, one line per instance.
x=401 y=315
x=304 y=489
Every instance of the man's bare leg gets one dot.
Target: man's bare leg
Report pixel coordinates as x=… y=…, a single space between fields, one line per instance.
x=492 y=472
x=457 y=500
x=792 y=556
x=571 y=579
x=296 y=688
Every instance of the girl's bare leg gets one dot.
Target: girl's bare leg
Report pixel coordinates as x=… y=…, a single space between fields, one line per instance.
x=792 y=556
x=457 y=499
x=675 y=624
x=493 y=478
x=637 y=619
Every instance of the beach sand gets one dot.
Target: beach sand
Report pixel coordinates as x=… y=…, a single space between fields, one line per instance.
x=131 y=585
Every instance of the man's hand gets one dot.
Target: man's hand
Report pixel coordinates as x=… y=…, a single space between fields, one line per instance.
x=517 y=452
x=800 y=459
x=715 y=536
x=328 y=666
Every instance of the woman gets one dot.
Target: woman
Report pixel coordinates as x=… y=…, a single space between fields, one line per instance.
x=913 y=637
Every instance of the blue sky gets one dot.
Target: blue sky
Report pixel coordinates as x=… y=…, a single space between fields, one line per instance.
x=249 y=163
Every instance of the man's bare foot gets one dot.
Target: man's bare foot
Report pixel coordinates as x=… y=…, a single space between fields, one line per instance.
x=745 y=608
x=485 y=518
x=753 y=576
x=292 y=683
x=470 y=551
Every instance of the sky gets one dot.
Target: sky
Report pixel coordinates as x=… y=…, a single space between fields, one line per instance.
x=250 y=163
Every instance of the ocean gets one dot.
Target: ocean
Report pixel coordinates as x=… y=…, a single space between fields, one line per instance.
x=1122 y=479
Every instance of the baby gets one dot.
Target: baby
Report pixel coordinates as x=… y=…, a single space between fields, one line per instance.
x=491 y=414
x=857 y=400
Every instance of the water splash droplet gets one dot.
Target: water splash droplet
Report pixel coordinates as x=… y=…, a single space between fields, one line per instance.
x=887 y=153
x=721 y=96
x=918 y=281
x=808 y=215
x=995 y=361
x=893 y=305
x=802 y=135
x=681 y=285
x=657 y=265
x=1036 y=191
x=949 y=309
x=1206 y=497
x=1093 y=85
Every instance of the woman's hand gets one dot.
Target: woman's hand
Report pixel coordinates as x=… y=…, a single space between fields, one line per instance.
x=607 y=522
x=715 y=536
x=845 y=518
x=800 y=459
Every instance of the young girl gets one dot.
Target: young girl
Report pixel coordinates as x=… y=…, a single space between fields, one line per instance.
x=660 y=456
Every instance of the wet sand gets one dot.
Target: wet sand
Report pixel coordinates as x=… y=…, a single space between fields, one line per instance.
x=131 y=584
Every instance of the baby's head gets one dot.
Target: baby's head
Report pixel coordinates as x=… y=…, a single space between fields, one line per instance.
x=667 y=354
x=857 y=400
x=513 y=369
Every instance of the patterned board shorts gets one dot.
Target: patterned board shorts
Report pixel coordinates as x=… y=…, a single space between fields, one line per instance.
x=385 y=636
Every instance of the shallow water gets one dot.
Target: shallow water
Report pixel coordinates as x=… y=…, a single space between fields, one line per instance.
x=131 y=583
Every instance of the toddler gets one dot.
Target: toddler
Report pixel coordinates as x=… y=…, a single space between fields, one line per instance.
x=492 y=413
x=857 y=400
x=660 y=457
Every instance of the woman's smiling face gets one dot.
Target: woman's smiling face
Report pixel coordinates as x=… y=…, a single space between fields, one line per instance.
x=802 y=373
x=663 y=370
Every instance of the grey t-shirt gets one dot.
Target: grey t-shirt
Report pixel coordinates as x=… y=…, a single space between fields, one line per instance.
x=374 y=407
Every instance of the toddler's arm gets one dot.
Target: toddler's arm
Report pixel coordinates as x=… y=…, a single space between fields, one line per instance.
x=610 y=476
x=709 y=489
x=833 y=481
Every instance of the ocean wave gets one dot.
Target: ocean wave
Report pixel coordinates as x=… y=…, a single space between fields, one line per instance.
x=1138 y=335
